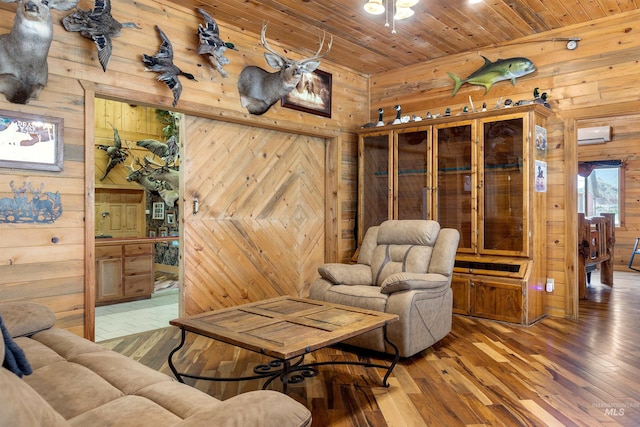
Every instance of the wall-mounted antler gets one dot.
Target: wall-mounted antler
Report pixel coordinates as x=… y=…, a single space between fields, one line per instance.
x=259 y=89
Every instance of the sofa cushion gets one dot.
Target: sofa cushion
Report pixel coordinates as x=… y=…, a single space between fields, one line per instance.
x=392 y=259
x=346 y=274
x=179 y=398
x=411 y=232
x=254 y=409
x=369 y=243
x=20 y=405
x=26 y=318
x=38 y=354
x=411 y=281
x=71 y=389
x=368 y=297
x=127 y=411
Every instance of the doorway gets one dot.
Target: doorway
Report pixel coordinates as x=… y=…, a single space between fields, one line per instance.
x=136 y=219
x=612 y=168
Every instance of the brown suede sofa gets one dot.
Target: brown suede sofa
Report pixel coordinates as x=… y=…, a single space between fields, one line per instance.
x=75 y=382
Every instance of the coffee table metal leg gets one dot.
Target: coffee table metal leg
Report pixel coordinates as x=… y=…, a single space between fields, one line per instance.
x=171 y=366
x=396 y=357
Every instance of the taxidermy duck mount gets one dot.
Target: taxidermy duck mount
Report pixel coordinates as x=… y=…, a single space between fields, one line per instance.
x=162 y=62
x=98 y=25
x=211 y=45
x=24 y=50
x=493 y=72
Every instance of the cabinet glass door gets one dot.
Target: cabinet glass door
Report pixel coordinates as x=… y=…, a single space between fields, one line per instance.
x=503 y=199
x=374 y=181
x=456 y=189
x=412 y=177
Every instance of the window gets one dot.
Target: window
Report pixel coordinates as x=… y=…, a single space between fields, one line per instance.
x=600 y=188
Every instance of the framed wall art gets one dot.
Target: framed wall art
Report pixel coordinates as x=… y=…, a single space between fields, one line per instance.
x=158 y=210
x=29 y=141
x=312 y=95
x=171 y=218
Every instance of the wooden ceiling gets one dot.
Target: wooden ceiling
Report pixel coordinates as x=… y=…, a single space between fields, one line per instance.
x=438 y=28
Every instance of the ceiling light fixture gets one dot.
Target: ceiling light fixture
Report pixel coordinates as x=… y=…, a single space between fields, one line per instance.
x=401 y=9
x=374 y=7
x=406 y=3
x=402 y=13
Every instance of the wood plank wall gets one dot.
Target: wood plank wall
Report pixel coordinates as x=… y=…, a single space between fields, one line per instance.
x=598 y=79
x=33 y=266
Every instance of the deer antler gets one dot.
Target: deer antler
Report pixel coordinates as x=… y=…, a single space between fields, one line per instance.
x=263 y=39
x=317 y=55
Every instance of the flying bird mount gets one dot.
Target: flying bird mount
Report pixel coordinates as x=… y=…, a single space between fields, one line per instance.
x=162 y=62
x=493 y=72
x=211 y=45
x=98 y=25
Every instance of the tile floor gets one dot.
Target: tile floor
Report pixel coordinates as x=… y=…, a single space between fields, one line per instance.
x=128 y=318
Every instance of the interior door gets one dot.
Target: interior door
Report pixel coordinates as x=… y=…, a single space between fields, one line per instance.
x=253 y=213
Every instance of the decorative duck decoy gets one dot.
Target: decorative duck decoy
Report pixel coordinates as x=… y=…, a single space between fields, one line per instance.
x=162 y=62
x=211 y=45
x=97 y=25
x=116 y=153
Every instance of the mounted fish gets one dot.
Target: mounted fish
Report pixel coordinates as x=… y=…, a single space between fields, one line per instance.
x=493 y=72
x=24 y=50
x=162 y=62
x=211 y=45
x=116 y=153
x=98 y=25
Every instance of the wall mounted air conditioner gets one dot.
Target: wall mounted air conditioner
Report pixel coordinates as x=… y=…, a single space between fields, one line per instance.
x=594 y=135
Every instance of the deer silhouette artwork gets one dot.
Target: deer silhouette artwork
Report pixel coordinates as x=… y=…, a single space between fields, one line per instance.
x=24 y=50
x=259 y=89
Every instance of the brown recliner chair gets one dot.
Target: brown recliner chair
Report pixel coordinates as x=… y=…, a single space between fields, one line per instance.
x=404 y=267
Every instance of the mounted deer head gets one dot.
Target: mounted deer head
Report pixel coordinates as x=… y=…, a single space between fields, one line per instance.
x=259 y=89
x=23 y=52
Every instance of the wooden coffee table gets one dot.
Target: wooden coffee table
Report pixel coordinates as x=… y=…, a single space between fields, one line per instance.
x=285 y=328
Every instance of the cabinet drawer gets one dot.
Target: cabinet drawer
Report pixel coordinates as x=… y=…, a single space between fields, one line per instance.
x=108 y=251
x=138 y=285
x=138 y=249
x=136 y=265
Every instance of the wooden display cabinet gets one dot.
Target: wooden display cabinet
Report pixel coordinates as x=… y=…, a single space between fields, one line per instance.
x=124 y=271
x=484 y=174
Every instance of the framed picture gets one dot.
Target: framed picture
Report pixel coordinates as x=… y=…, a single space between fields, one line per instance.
x=29 y=141
x=158 y=210
x=312 y=95
x=171 y=218
x=152 y=233
x=163 y=231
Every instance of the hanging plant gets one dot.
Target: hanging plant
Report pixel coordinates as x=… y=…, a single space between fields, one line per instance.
x=170 y=121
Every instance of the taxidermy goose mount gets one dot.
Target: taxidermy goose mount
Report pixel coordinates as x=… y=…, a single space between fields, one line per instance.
x=116 y=153
x=211 y=45
x=162 y=62
x=98 y=25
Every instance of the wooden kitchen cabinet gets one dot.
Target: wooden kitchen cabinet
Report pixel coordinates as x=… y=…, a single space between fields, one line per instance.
x=124 y=271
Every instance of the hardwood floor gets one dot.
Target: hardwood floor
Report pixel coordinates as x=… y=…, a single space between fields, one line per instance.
x=557 y=372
